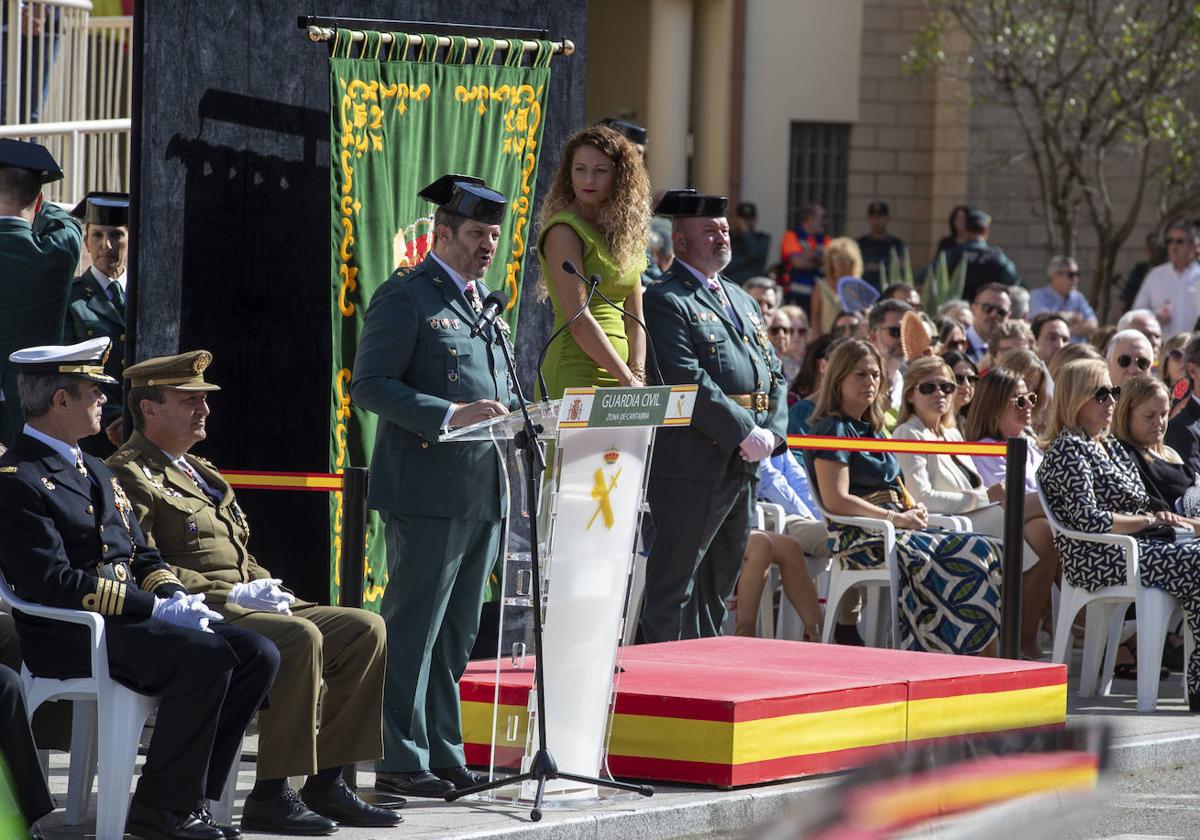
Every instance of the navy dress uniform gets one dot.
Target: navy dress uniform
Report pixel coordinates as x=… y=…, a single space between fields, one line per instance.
x=37 y=261
x=71 y=540
x=701 y=490
x=442 y=503
x=96 y=308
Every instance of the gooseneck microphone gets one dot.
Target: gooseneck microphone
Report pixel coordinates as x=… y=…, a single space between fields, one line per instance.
x=594 y=283
x=493 y=305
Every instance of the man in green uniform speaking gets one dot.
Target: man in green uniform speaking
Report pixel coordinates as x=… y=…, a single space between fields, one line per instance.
x=709 y=332
x=420 y=371
x=39 y=249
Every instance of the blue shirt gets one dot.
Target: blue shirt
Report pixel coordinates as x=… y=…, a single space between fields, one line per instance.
x=782 y=481
x=1046 y=299
x=869 y=471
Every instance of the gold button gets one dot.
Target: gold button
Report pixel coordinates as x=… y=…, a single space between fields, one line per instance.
x=120 y=572
x=90 y=332
x=424 y=444
x=712 y=336
x=453 y=351
x=712 y=351
x=104 y=549
x=90 y=509
x=122 y=337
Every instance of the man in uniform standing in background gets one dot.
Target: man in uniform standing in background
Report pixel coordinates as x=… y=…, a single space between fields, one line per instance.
x=39 y=250
x=421 y=372
x=708 y=332
x=96 y=306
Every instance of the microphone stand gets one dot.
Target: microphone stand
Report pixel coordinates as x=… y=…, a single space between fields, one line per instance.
x=594 y=284
x=592 y=289
x=543 y=767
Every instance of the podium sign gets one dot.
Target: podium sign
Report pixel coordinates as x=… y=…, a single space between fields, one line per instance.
x=591 y=503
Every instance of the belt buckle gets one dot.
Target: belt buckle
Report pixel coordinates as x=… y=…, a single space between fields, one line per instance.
x=759 y=401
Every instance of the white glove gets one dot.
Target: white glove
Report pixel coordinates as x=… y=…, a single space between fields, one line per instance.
x=262 y=594
x=758 y=444
x=184 y=610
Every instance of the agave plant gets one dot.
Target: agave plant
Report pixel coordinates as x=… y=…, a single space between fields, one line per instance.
x=940 y=285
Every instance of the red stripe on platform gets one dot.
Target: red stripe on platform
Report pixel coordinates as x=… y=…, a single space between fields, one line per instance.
x=932 y=688
x=753 y=772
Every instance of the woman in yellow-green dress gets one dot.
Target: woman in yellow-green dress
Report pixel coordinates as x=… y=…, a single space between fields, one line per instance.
x=596 y=216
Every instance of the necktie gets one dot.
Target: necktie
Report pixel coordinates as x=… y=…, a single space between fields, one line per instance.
x=116 y=295
x=194 y=476
x=472 y=297
x=715 y=287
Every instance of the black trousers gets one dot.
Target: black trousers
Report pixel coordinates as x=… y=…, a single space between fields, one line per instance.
x=209 y=685
x=17 y=747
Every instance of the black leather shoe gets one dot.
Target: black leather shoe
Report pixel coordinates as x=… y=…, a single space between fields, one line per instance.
x=229 y=832
x=285 y=814
x=338 y=802
x=420 y=783
x=1193 y=702
x=161 y=824
x=459 y=776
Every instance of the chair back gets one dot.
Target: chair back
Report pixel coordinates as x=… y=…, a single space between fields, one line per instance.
x=1125 y=542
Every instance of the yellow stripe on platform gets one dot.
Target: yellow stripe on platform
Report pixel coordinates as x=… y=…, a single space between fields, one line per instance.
x=477 y=724
x=989 y=711
x=681 y=739
x=924 y=447
x=294 y=480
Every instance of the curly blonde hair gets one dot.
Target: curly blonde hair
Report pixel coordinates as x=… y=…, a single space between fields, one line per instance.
x=625 y=215
x=842 y=257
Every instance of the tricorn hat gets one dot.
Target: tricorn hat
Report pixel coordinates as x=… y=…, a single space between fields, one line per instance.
x=631 y=131
x=103 y=208
x=684 y=203
x=20 y=154
x=466 y=196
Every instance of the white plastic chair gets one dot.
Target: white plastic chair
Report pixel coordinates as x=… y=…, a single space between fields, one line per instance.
x=106 y=726
x=1105 y=616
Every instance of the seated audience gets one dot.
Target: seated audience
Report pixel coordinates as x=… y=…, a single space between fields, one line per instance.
x=1145 y=322
x=1062 y=295
x=1009 y=335
x=1140 y=423
x=1051 y=333
x=1129 y=354
x=764 y=548
x=796 y=348
x=849 y=325
x=950 y=334
x=1170 y=363
x=806 y=384
x=990 y=308
x=949 y=583
x=1020 y=302
x=29 y=792
x=1183 y=432
x=902 y=291
x=765 y=291
x=1092 y=484
x=842 y=259
x=950 y=484
x=965 y=377
x=1027 y=365
x=959 y=310
x=884 y=322
x=1002 y=409
x=1071 y=353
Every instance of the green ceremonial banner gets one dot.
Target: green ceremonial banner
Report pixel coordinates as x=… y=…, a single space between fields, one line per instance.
x=397 y=122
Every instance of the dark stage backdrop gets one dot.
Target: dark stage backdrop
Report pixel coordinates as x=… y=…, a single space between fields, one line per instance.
x=233 y=228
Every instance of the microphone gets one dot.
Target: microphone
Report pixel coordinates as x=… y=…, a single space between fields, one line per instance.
x=593 y=284
x=493 y=305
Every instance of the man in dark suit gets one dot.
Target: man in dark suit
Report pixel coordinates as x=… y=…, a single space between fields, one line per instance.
x=71 y=540
x=96 y=306
x=39 y=249
x=420 y=371
x=1183 y=432
x=708 y=332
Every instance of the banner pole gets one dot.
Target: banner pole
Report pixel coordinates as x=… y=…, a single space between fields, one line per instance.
x=1014 y=544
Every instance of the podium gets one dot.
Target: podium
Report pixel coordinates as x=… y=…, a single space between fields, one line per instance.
x=600 y=442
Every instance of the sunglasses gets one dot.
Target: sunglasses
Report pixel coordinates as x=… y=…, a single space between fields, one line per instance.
x=799 y=330
x=1125 y=360
x=966 y=378
x=1102 y=393
x=928 y=388
x=992 y=309
x=1070 y=273
x=1174 y=241
x=894 y=332
x=1175 y=355
x=1023 y=401
x=779 y=330
x=960 y=345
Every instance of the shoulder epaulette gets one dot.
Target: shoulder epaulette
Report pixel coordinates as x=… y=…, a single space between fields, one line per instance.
x=8 y=469
x=122 y=456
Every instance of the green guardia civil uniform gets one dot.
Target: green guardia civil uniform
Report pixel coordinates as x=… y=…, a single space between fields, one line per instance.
x=442 y=503
x=701 y=491
x=567 y=365
x=90 y=314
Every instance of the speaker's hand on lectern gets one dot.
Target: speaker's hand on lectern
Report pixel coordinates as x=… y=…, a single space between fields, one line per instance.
x=466 y=414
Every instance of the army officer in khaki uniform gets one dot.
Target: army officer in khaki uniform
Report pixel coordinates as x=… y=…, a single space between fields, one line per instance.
x=190 y=514
x=420 y=370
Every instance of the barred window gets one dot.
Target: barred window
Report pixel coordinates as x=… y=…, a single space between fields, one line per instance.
x=817 y=171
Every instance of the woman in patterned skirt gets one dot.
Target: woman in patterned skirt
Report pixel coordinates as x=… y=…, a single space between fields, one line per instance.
x=949 y=582
x=1091 y=484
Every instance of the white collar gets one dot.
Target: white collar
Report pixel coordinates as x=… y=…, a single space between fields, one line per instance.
x=104 y=280
x=70 y=454
x=454 y=275
x=708 y=281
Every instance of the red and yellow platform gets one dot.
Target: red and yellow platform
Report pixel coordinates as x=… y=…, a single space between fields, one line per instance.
x=733 y=711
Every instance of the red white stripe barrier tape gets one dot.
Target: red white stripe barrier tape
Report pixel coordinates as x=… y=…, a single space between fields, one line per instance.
x=919 y=447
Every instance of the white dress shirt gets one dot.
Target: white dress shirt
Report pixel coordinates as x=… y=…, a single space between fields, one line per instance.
x=1181 y=289
x=71 y=454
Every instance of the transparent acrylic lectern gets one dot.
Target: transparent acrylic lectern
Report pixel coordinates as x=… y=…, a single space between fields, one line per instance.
x=598 y=460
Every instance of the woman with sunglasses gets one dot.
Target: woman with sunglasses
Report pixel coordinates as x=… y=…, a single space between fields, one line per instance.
x=1171 y=367
x=949 y=583
x=849 y=325
x=1029 y=366
x=1092 y=484
x=1003 y=409
x=966 y=375
x=950 y=334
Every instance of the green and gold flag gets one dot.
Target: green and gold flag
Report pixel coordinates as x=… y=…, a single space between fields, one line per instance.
x=397 y=122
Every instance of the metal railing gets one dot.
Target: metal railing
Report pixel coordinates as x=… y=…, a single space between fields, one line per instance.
x=66 y=82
